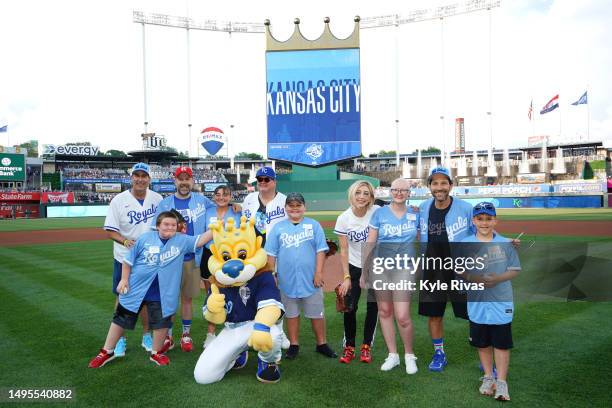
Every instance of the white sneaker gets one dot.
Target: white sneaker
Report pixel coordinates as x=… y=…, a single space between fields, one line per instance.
x=285 y=341
x=209 y=339
x=411 y=367
x=391 y=362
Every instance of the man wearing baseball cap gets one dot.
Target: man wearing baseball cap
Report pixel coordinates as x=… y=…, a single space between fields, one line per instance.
x=443 y=219
x=127 y=219
x=267 y=205
x=192 y=206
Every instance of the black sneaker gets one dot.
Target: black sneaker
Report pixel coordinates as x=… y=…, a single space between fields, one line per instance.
x=292 y=352
x=326 y=351
x=267 y=372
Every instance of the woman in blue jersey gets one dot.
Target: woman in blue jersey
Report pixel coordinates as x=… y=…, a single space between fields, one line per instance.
x=151 y=275
x=393 y=229
x=221 y=212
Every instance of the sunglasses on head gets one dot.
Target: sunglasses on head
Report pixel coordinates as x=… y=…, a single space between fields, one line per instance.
x=485 y=206
x=263 y=179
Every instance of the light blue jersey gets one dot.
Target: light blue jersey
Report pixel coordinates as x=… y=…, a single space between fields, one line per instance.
x=211 y=217
x=393 y=229
x=194 y=214
x=493 y=305
x=458 y=220
x=295 y=248
x=150 y=257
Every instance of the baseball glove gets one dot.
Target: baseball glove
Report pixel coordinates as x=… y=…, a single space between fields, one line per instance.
x=333 y=247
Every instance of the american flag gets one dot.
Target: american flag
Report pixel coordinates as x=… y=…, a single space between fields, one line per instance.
x=530 y=111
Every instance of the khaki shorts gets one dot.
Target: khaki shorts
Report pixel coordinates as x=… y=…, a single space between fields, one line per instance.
x=190 y=283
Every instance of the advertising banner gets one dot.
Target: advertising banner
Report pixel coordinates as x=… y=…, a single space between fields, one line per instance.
x=67 y=197
x=12 y=167
x=531 y=178
x=72 y=150
x=108 y=187
x=313 y=105
x=17 y=197
x=580 y=187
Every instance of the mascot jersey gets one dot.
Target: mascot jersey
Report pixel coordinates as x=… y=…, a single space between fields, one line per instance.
x=242 y=303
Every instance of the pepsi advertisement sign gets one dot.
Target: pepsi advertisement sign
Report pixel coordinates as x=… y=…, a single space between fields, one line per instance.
x=313 y=105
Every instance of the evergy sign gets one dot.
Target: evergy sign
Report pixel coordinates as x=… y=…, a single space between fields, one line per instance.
x=72 y=150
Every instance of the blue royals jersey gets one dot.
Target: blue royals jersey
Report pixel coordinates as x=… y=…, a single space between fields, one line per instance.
x=393 y=229
x=295 y=248
x=242 y=303
x=493 y=305
x=149 y=258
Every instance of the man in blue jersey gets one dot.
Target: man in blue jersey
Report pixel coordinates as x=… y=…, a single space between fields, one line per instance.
x=444 y=219
x=193 y=209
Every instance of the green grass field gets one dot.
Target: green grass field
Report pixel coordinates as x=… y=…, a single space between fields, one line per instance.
x=56 y=307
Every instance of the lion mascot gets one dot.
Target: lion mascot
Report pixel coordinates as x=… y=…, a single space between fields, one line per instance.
x=246 y=299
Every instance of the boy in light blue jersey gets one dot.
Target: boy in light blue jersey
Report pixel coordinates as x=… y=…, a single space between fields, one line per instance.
x=491 y=308
x=298 y=245
x=151 y=276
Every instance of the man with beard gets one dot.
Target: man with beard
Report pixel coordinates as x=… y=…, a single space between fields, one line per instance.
x=444 y=219
x=192 y=206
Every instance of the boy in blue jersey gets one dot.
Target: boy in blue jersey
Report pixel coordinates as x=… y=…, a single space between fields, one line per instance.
x=298 y=245
x=491 y=309
x=151 y=276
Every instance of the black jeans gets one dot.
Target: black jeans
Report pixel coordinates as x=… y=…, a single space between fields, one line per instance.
x=350 y=318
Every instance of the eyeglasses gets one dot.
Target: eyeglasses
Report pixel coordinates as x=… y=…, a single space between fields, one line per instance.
x=399 y=191
x=484 y=206
x=263 y=179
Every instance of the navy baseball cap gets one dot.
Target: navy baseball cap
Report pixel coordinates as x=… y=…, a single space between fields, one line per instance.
x=439 y=170
x=266 y=172
x=292 y=197
x=484 y=208
x=141 y=167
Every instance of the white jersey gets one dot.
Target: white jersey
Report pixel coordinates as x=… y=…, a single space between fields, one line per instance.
x=355 y=229
x=129 y=218
x=275 y=211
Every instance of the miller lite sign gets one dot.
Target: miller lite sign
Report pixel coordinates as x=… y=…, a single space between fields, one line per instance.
x=213 y=140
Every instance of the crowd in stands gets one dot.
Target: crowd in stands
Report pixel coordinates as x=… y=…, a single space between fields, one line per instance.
x=157 y=173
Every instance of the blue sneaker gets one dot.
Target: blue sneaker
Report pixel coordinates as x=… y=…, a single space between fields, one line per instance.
x=438 y=362
x=241 y=360
x=120 y=347
x=147 y=342
x=494 y=370
x=267 y=372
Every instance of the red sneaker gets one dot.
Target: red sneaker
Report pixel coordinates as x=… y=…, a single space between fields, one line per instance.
x=186 y=343
x=366 y=354
x=348 y=354
x=168 y=345
x=101 y=359
x=160 y=359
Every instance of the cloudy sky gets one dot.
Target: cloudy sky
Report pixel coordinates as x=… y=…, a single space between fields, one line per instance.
x=72 y=71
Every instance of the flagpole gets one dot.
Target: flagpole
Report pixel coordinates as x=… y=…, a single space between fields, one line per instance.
x=588 y=115
x=559 y=102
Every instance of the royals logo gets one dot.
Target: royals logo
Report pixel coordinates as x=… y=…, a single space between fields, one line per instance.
x=314 y=151
x=137 y=217
x=289 y=240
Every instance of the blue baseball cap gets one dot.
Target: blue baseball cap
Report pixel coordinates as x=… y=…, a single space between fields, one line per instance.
x=141 y=167
x=439 y=170
x=484 y=207
x=266 y=172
